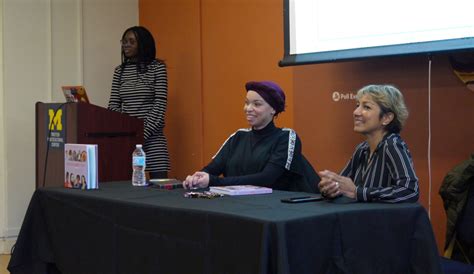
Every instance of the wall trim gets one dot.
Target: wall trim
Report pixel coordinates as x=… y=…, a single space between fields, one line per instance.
x=6 y=244
x=11 y=232
x=9 y=240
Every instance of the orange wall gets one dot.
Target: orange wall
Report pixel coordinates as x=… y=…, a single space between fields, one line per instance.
x=238 y=42
x=326 y=125
x=176 y=27
x=212 y=47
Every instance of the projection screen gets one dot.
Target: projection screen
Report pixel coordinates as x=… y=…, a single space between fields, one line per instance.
x=319 y=31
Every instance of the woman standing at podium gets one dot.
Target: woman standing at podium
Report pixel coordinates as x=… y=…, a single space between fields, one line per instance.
x=140 y=89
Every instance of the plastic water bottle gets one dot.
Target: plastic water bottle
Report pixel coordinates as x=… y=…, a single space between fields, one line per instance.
x=138 y=164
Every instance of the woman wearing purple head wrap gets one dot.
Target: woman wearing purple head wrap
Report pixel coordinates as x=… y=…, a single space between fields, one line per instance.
x=263 y=154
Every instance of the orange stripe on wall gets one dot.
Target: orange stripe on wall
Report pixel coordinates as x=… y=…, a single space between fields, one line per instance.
x=175 y=25
x=242 y=41
x=212 y=49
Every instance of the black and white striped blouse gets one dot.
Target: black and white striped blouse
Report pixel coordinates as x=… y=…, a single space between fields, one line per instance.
x=144 y=95
x=389 y=176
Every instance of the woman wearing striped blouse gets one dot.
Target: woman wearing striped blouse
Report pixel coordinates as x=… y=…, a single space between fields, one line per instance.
x=381 y=168
x=139 y=89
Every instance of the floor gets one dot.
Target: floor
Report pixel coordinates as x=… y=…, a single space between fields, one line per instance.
x=3 y=263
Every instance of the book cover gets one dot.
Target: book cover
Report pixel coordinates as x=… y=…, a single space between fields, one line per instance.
x=80 y=166
x=75 y=94
x=240 y=190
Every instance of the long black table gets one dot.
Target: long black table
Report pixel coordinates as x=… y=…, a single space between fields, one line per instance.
x=123 y=229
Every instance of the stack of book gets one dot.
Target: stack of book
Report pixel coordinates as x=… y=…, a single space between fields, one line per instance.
x=240 y=190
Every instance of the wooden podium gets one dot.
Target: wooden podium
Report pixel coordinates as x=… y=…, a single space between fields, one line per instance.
x=116 y=135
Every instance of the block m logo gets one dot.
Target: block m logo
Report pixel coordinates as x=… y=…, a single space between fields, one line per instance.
x=55 y=119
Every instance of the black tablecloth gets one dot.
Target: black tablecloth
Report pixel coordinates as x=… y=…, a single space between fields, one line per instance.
x=125 y=229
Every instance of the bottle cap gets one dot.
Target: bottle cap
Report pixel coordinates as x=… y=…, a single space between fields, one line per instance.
x=138 y=146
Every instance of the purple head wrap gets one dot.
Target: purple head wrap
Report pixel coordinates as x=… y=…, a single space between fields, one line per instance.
x=270 y=92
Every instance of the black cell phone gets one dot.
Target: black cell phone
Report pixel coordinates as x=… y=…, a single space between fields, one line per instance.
x=303 y=199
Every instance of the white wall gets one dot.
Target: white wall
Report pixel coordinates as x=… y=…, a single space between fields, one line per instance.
x=46 y=44
x=103 y=29
x=3 y=210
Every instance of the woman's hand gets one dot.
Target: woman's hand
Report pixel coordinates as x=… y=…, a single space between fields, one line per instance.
x=333 y=185
x=199 y=179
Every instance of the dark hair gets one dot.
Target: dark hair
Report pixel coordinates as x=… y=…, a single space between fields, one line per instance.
x=145 y=42
x=146 y=50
